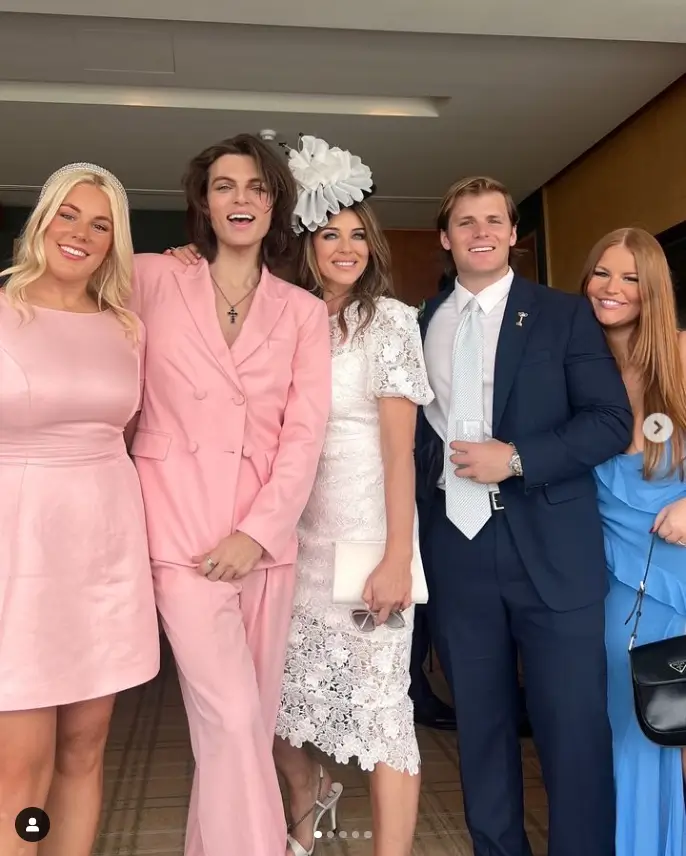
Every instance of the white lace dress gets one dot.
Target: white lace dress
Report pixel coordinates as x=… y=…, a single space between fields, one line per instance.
x=344 y=691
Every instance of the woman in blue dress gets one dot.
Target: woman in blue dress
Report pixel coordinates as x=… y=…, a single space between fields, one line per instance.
x=642 y=492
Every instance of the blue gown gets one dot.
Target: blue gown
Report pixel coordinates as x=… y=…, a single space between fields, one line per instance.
x=651 y=819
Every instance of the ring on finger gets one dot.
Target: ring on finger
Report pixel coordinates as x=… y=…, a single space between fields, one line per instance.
x=211 y=564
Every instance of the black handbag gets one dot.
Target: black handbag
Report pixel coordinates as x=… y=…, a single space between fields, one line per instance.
x=658 y=672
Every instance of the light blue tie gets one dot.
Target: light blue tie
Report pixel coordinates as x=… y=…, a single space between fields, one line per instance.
x=467 y=503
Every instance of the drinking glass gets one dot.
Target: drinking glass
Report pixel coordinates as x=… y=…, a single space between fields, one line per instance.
x=469 y=430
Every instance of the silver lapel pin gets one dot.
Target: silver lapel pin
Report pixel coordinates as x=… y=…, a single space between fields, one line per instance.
x=522 y=316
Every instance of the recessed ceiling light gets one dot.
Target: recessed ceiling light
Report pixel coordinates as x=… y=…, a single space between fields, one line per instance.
x=215 y=99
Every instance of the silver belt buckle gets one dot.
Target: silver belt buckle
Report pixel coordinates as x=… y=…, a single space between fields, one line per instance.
x=496 y=504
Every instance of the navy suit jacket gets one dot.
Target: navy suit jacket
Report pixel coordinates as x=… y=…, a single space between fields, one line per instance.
x=560 y=398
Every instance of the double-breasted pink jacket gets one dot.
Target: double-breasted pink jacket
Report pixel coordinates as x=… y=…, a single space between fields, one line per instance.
x=228 y=438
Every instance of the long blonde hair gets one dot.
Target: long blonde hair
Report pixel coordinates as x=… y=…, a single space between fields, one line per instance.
x=654 y=343
x=110 y=285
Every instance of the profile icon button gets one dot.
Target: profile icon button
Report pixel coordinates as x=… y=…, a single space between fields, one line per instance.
x=32 y=824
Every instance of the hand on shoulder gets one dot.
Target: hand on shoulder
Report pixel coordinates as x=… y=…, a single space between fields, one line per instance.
x=187 y=255
x=152 y=264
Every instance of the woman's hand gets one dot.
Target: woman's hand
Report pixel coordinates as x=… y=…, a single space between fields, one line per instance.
x=188 y=254
x=232 y=559
x=670 y=523
x=388 y=588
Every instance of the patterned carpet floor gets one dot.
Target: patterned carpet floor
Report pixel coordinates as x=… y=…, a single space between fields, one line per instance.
x=148 y=776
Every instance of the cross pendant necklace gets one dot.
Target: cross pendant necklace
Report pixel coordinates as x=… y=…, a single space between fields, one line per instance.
x=232 y=311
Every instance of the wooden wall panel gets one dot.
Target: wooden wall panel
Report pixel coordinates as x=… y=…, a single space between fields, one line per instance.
x=636 y=177
x=418 y=262
x=525 y=257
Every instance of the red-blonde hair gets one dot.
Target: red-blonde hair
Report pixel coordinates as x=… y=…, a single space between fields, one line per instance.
x=654 y=344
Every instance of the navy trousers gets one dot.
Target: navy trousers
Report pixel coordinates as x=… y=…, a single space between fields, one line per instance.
x=484 y=608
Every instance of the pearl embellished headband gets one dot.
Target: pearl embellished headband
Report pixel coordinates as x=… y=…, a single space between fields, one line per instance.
x=90 y=167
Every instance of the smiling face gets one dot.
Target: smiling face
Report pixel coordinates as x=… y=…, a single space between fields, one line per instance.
x=79 y=237
x=613 y=288
x=479 y=235
x=239 y=204
x=342 y=251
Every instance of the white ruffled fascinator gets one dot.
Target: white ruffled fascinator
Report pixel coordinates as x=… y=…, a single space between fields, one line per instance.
x=328 y=179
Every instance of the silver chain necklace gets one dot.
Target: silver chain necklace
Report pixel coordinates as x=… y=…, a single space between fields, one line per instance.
x=232 y=311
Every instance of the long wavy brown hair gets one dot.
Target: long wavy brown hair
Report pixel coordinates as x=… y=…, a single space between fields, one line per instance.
x=278 y=244
x=375 y=282
x=654 y=343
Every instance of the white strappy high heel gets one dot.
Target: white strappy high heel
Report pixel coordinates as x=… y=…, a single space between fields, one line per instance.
x=320 y=808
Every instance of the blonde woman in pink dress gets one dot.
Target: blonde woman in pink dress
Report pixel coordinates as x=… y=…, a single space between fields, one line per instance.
x=77 y=612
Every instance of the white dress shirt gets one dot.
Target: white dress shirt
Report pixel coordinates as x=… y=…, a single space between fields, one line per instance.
x=438 y=351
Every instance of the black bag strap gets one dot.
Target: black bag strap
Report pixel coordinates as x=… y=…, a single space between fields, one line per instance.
x=639 y=597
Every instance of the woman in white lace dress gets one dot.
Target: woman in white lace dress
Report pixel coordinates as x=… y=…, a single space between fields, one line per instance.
x=345 y=691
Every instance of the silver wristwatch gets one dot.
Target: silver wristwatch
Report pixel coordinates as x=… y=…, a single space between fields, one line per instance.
x=515 y=463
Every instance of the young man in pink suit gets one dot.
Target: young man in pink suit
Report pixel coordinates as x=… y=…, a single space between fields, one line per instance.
x=237 y=396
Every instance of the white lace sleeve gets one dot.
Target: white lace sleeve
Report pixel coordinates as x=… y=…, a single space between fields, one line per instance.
x=397 y=360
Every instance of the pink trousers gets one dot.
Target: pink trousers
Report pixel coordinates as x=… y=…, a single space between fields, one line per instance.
x=229 y=642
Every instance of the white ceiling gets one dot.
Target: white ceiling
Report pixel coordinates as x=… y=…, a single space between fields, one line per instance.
x=421 y=108
x=634 y=20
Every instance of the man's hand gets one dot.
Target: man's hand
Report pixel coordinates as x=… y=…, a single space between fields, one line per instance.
x=233 y=558
x=484 y=463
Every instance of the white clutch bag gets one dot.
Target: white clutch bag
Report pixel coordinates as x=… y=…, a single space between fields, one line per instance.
x=354 y=562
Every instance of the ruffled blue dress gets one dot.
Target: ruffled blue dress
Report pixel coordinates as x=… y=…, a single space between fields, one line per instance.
x=651 y=819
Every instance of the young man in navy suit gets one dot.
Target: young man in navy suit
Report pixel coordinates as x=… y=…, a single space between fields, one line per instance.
x=528 y=401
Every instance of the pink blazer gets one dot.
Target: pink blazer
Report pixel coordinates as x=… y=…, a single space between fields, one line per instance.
x=228 y=438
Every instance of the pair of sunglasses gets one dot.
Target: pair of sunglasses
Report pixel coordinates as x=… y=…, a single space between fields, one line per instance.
x=365 y=620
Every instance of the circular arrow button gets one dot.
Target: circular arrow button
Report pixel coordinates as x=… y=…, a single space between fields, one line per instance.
x=658 y=427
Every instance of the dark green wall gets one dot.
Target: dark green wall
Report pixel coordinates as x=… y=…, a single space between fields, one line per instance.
x=153 y=231
x=673 y=242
